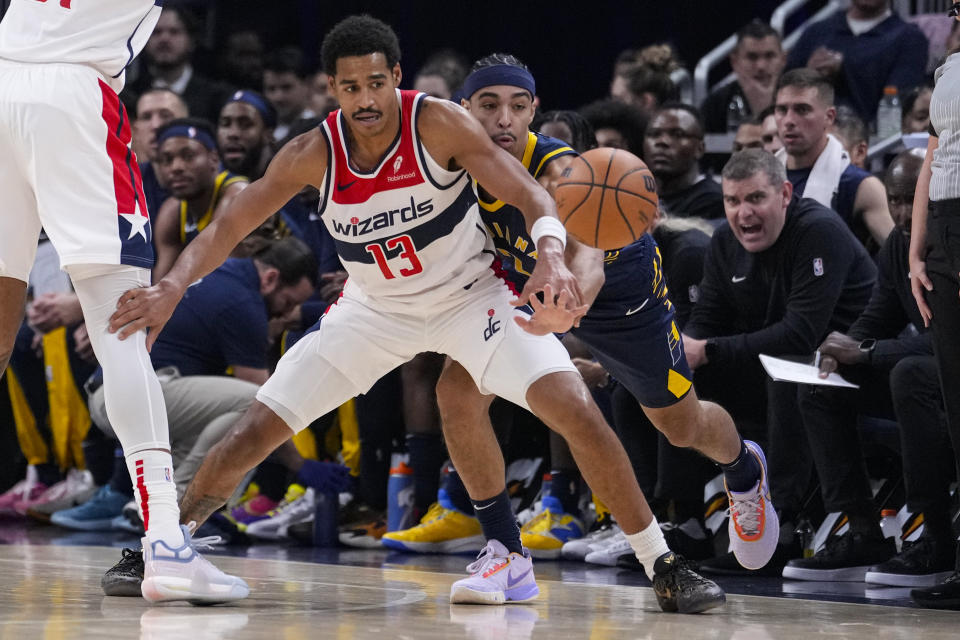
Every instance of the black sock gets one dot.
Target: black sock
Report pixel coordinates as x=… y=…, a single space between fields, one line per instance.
x=427 y=454
x=744 y=472
x=498 y=522
x=565 y=487
x=456 y=493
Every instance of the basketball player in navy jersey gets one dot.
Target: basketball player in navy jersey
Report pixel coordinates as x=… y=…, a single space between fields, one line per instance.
x=392 y=170
x=630 y=329
x=66 y=165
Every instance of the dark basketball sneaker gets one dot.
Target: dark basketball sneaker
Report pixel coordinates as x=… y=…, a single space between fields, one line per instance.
x=924 y=563
x=681 y=589
x=124 y=578
x=843 y=558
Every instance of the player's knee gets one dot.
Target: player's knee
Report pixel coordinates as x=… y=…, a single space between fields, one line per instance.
x=680 y=431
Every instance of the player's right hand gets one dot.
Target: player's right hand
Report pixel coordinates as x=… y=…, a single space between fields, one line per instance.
x=145 y=308
x=554 y=315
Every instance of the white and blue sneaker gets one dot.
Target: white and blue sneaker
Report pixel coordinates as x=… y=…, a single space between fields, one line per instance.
x=753 y=527
x=496 y=577
x=183 y=574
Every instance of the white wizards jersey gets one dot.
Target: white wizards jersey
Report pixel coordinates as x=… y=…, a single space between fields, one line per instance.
x=409 y=232
x=104 y=34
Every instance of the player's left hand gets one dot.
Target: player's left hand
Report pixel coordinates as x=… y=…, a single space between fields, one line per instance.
x=555 y=314
x=145 y=308
x=550 y=269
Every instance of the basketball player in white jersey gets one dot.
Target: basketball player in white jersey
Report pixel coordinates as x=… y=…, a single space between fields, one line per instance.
x=66 y=165
x=391 y=167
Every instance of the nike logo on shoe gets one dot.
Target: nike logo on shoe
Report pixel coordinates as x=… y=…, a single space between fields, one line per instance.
x=513 y=581
x=630 y=312
x=344 y=187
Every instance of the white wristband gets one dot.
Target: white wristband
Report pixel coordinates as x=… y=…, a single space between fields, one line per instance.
x=547 y=226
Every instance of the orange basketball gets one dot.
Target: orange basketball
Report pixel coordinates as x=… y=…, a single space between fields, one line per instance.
x=606 y=198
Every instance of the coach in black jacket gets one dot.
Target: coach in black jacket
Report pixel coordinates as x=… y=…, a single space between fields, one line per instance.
x=777 y=279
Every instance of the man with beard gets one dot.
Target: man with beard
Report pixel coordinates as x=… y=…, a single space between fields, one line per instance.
x=190 y=167
x=245 y=132
x=672 y=147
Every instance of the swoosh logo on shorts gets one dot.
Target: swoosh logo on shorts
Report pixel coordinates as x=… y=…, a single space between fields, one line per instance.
x=630 y=312
x=513 y=581
x=736 y=279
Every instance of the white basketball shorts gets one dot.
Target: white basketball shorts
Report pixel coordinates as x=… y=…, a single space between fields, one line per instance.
x=357 y=344
x=66 y=165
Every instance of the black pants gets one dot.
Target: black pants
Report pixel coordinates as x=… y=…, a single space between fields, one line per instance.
x=943 y=265
x=928 y=466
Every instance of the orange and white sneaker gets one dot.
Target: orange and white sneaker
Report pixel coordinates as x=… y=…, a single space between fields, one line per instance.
x=753 y=527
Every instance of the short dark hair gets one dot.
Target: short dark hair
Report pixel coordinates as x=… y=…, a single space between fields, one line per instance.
x=804 y=78
x=745 y=164
x=758 y=30
x=646 y=79
x=187 y=17
x=495 y=59
x=287 y=60
x=582 y=136
x=358 y=35
x=850 y=125
x=447 y=64
x=910 y=97
x=682 y=106
x=625 y=118
x=197 y=123
x=292 y=258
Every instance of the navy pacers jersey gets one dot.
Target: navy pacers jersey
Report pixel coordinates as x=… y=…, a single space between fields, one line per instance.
x=505 y=222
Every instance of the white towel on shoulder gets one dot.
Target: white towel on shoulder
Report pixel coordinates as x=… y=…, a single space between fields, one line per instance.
x=824 y=179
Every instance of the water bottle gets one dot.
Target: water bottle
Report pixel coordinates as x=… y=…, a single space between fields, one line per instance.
x=325 y=520
x=400 y=495
x=736 y=113
x=890 y=526
x=889 y=114
x=805 y=534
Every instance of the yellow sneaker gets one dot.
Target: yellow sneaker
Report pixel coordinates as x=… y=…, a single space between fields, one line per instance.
x=441 y=530
x=545 y=534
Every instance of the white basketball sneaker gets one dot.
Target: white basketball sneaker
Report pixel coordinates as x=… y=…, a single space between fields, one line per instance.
x=497 y=576
x=183 y=574
x=753 y=527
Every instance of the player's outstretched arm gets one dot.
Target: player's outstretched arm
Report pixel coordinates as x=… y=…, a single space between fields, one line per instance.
x=301 y=161
x=452 y=135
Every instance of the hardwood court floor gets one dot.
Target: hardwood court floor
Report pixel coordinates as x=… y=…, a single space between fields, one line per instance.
x=53 y=593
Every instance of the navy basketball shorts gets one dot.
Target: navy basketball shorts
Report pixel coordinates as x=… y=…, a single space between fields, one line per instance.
x=631 y=331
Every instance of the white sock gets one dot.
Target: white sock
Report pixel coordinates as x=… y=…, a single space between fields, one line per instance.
x=152 y=474
x=649 y=545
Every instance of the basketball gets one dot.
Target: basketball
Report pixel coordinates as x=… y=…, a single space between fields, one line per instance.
x=606 y=198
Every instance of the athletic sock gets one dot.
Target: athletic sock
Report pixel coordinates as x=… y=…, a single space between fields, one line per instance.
x=648 y=544
x=427 y=455
x=152 y=473
x=498 y=522
x=456 y=493
x=565 y=487
x=743 y=473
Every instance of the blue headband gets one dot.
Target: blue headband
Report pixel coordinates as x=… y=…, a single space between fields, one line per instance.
x=258 y=102
x=187 y=131
x=498 y=74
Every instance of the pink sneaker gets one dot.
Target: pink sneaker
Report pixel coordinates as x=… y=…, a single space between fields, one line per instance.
x=256 y=508
x=28 y=488
x=77 y=482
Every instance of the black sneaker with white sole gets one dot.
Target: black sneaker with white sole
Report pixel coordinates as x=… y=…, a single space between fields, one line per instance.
x=844 y=558
x=923 y=563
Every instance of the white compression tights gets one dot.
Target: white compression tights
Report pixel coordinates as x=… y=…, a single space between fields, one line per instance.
x=134 y=401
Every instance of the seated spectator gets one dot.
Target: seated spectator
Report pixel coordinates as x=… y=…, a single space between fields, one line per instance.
x=167 y=66
x=155 y=108
x=286 y=85
x=322 y=101
x=647 y=87
x=880 y=346
x=672 y=148
x=569 y=126
x=851 y=131
x=861 y=51
x=749 y=135
x=190 y=167
x=245 y=134
x=771 y=136
x=817 y=164
x=784 y=273
x=616 y=124
x=916 y=109
x=757 y=61
x=240 y=63
x=442 y=74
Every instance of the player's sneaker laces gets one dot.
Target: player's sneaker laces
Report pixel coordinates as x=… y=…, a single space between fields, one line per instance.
x=680 y=589
x=298 y=505
x=546 y=534
x=579 y=548
x=497 y=576
x=183 y=574
x=441 y=530
x=753 y=526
